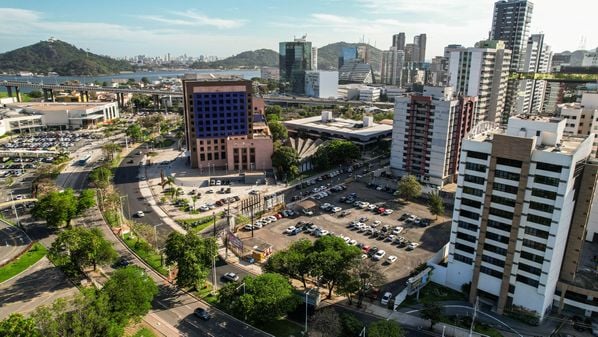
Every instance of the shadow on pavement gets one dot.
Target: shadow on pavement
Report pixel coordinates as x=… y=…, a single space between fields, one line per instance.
x=435 y=237
x=33 y=285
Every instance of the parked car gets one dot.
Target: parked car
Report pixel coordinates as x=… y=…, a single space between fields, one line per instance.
x=202 y=314
x=231 y=277
x=140 y=214
x=290 y=229
x=307 y=212
x=391 y=259
x=412 y=245
x=379 y=255
x=386 y=298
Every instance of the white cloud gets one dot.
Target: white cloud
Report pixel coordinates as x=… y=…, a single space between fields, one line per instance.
x=193 y=18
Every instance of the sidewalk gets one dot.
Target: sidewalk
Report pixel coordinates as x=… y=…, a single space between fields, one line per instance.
x=231 y=258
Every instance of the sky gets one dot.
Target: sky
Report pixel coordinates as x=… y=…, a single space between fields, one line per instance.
x=225 y=28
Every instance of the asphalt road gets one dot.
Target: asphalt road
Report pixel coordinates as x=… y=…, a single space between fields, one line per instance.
x=12 y=241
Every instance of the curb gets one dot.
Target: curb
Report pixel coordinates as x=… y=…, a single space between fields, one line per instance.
x=31 y=266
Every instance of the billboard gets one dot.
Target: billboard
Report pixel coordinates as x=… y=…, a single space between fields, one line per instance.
x=234 y=241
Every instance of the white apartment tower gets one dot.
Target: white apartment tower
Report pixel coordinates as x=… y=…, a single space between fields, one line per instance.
x=482 y=71
x=427 y=133
x=392 y=66
x=515 y=200
x=536 y=59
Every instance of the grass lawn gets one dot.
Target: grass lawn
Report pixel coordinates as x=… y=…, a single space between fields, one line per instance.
x=149 y=256
x=206 y=295
x=282 y=328
x=144 y=332
x=433 y=293
x=198 y=224
x=466 y=324
x=34 y=254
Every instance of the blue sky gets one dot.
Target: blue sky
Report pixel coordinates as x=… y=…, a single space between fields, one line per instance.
x=225 y=28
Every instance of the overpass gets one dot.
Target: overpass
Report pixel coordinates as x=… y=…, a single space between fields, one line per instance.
x=555 y=77
x=48 y=90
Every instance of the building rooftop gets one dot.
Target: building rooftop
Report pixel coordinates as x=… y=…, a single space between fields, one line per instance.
x=346 y=127
x=587 y=271
x=45 y=106
x=211 y=77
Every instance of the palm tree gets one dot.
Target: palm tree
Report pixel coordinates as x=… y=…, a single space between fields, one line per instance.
x=194 y=199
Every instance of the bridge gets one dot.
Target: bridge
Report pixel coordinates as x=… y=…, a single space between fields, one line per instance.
x=555 y=77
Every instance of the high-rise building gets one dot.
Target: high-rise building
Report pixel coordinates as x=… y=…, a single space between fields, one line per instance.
x=347 y=54
x=582 y=118
x=536 y=59
x=516 y=196
x=321 y=84
x=392 y=66
x=411 y=53
x=220 y=127
x=482 y=71
x=427 y=132
x=295 y=58
x=398 y=41
x=511 y=24
x=314 y=58
x=420 y=42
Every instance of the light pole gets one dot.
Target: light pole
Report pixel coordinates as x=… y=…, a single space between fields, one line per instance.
x=362 y=333
x=443 y=328
x=156 y=235
x=214 y=217
x=241 y=285
x=14 y=208
x=306 y=297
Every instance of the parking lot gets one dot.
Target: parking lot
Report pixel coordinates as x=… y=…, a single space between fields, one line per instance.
x=48 y=141
x=429 y=239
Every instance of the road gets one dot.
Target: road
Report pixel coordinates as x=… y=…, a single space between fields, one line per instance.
x=12 y=241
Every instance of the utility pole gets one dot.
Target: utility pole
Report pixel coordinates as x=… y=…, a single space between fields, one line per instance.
x=214 y=216
x=14 y=208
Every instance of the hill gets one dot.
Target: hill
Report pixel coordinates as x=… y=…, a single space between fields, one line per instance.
x=246 y=59
x=59 y=57
x=328 y=55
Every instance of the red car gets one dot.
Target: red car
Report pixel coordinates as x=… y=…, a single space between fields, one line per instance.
x=365 y=249
x=278 y=216
x=381 y=210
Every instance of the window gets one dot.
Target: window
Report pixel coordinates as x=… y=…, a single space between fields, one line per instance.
x=499 y=225
x=530 y=269
x=528 y=281
x=493 y=261
x=463 y=259
x=501 y=213
x=472 y=191
x=468 y=214
x=506 y=175
x=541 y=207
x=508 y=162
x=536 y=232
x=466 y=237
x=467 y=225
x=543 y=194
x=475 y=167
x=534 y=245
x=539 y=219
x=503 y=201
x=474 y=179
x=497 y=237
x=495 y=249
x=490 y=272
x=546 y=180
x=464 y=248
x=505 y=188
x=549 y=167
x=531 y=257
x=471 y=203
x=477 y=155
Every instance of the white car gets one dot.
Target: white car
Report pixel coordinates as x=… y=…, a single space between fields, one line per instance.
x=272 y=218
x=376 y=223
x=379 y=255
x=412 y=245
x=372 y=207
x=307 y=212
x=290 y=229
x=204 y=208
x=322 y=232
x=325 y=206
x=391 y=259
x=336 y=209
x=364 y=204
x=140 y=214
x=248 y=227
x=397 y=230
x=258 y=225
x=386 y=298
x=347 y=239
x=353 y=242
x=265 y=221
x=388 y=211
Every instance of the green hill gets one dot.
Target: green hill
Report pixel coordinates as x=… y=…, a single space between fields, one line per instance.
x=246 y=59
x=59 y=57
x=328 y=55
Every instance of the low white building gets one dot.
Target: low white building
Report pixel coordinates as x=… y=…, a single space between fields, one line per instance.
x=69 y=115
x=349 y=91
x=581 y=118
x=321 y=84
x=369 y=94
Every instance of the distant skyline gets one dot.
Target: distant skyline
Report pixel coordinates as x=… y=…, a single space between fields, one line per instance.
x=225 y=28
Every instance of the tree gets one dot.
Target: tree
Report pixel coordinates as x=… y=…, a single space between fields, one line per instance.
x=143 y=230
x=16 y=325
x=194 y=199
x=286 y=161
x=433 y=312
x=145 y=80
x=134 y=131
x=332 y=258
x=278 y=130
x=327 y=322
x=385 y=328
x=370 y=275
x=293 y=262
x=100 y=176
x=110 y=148
x=60 y=207
x=266 y=296
x=130 y=292
x=351 y=325
x=193 y=256
x=81 y=247
x=335 y=152
x=105 y=84
x=435 y=204
x=409 y=188
x=35 y=94
x=273 y=112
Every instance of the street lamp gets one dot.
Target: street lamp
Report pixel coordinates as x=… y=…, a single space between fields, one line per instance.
x=14 y=208
x=214 y=217
x=241 y=285
x=362 y=333
x=306 y=297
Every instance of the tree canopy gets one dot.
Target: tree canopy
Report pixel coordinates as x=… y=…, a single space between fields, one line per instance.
x=286 y=161
x=16 y=325
x=279 y=131
x=327 y=322
x=335 y=152
x=266 y=296
x=100 y=176
x=60 y=207
x=80 y=247
x=435 y=204
x=385 y=328
x=134 y=131
x=193 y=256
x=409 y=188
x=433 y=312
x=130 y=292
